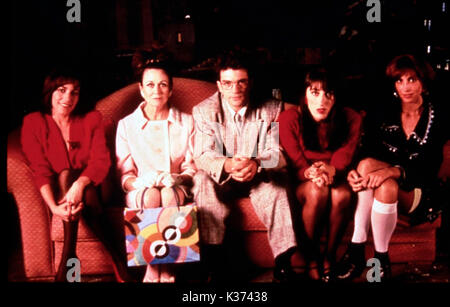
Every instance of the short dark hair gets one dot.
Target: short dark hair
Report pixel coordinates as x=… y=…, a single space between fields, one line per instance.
x=57 y=77
x=233 y=59
x=398 y=65
x=148 y=59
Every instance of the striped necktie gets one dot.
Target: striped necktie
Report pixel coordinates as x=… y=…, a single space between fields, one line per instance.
x=239 y=122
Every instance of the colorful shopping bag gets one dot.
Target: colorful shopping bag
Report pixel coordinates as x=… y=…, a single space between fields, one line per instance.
x=162 y=235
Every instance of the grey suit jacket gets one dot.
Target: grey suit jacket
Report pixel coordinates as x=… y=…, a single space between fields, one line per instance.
x=215 y=136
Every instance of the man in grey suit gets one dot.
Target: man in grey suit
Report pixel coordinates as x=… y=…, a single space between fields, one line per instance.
x=237 y=153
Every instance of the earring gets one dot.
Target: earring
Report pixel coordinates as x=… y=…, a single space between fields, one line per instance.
x=395 y=94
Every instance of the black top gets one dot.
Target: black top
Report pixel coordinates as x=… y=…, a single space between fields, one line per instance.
x=420 y=156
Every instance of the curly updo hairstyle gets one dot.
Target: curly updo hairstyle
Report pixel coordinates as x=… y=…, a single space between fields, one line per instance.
x=148 y=59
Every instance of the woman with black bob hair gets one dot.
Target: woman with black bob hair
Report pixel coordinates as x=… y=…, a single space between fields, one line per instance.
x=65 y=146
x=319 y=139
x=399 y=163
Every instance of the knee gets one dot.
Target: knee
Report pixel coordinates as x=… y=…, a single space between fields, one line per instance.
x=64 y=180
x=151 y=198
x=64 y=174
x=313 y=194
x=91 y=199
x=387 y=190
x=340 y=198
x=167 y=197
x=366 y=166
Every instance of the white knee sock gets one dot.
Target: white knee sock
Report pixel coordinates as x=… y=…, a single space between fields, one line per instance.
x=362 y=216
x=384 y=220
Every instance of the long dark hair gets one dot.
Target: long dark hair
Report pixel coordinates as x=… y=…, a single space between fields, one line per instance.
x=58 y=76
x=337 y=128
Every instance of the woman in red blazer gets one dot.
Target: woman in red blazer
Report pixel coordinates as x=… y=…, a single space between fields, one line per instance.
x=64 y=144
x=319 y=139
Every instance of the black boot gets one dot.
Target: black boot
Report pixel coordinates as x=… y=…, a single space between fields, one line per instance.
x=352 y=263
x=385 y=269
x=283 y=271
x=69 y=249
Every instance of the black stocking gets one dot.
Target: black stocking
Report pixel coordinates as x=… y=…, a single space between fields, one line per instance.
x=70 y=232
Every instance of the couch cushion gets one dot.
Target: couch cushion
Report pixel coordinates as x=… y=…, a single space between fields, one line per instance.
x=85 y=234
x=244 y=216
x=57 y=233
x=94 y=259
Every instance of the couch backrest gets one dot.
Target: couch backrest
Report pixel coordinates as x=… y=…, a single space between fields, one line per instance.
x=186 y=94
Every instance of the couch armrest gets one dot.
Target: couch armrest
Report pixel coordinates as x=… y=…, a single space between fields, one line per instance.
x=34 y=216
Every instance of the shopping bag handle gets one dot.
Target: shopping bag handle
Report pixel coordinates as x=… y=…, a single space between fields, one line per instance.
x=142 y=199
x=177 y=198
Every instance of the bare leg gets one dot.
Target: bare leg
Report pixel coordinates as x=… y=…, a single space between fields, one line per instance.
x=152 y=198
x=168 y=197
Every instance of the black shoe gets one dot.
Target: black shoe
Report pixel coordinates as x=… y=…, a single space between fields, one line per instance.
x=385 y=268
x=283 y=271
x=352 y=263
x=284 y=274
x=328 y=276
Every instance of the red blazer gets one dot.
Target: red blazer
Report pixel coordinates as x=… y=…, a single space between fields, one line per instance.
x=47 y=154
x=301 y=158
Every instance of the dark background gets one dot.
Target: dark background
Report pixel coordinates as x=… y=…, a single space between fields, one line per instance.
x=286 y=38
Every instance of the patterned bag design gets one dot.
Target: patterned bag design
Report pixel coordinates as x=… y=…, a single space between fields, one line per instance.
x=162 y=235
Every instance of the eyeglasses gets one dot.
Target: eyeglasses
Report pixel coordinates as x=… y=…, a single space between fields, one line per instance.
x=228 y=85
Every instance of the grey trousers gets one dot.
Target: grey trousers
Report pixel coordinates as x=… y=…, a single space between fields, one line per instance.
x=269 y=201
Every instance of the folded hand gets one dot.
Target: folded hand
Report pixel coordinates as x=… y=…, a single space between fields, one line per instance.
x=147 y=180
